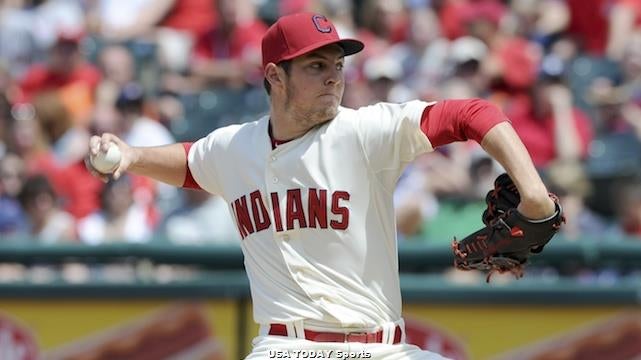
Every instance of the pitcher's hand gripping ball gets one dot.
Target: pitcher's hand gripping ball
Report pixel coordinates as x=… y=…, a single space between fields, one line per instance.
x=106 y=162
x=508 y=238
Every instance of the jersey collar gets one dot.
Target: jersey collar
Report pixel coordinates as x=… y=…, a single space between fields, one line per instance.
x=275 y=143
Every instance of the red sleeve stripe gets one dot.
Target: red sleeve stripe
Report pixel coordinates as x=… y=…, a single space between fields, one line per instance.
x=189 y=183
x=448 y=121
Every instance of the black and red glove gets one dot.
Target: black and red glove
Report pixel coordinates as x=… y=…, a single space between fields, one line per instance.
x=508 y=238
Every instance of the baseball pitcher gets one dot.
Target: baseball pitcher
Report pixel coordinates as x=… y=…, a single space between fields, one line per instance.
x=310 y=188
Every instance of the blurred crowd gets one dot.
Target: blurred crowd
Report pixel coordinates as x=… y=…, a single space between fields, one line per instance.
x=567 y=73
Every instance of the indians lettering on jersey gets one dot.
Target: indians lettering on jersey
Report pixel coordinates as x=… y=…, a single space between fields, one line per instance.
x=320 y=209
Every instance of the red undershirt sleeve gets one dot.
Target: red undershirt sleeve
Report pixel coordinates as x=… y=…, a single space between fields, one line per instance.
x=189 y=183
x=449 y=121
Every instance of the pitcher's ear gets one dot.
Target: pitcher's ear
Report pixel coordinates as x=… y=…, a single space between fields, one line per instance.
x=274 y=75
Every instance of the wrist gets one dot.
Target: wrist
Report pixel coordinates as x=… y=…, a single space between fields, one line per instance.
x=537 y=207
x=135 y=159
x=533 y=191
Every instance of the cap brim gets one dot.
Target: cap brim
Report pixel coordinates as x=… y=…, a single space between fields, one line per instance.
x=350 y=47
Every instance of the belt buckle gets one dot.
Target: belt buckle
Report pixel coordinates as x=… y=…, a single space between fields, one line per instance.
x=362 y=334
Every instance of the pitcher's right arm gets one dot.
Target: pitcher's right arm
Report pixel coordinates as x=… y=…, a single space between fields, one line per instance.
x=167 y=163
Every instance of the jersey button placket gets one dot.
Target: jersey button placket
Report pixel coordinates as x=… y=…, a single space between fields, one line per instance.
x=270 y=160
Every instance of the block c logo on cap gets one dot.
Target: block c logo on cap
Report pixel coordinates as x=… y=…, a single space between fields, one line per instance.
x=322 y=24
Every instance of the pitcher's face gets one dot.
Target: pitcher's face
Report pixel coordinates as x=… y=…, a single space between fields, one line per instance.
x=315 y=85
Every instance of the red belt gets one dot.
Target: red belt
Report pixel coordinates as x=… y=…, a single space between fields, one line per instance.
x=321 y=336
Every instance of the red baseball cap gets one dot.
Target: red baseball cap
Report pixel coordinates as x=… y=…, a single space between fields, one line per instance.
x=69 y=36
x=297 y=34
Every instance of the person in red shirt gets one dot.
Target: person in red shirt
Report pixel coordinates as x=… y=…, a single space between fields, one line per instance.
x=469 y=17
x=588 y=24
x=624 y=19
x=49 y=144
x=66 y=72
x=603 y=27
x=229 y=53
x=194 y=17
x=171 y=25
x=550 y=127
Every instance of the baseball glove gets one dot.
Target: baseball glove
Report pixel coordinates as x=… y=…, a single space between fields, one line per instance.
x=508 y=238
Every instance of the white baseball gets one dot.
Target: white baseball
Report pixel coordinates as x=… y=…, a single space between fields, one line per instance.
x=107 y=162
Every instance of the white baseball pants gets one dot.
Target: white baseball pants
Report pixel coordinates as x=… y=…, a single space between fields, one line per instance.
x=267 y=347
x=280 y=347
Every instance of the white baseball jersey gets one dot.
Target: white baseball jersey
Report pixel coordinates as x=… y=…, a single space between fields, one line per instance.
x=315 y=214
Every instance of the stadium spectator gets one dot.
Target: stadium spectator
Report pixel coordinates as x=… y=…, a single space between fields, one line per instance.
x=551 y=127
x=48 y=223
x=18 y=48
x=201 y=219
x=118 y=66
x=134 y=125
x=629 y=210
x=120 y=218
x=384 y=19
x=68 y=72
x=624 y=21
x=383 y=74
x=589 y=25
x=228 y=54
x=143 y=18
x=570 y=182
x=13 y=220
x=466 y=59
x=52 y=146
x=539 y=20
x=6 y=120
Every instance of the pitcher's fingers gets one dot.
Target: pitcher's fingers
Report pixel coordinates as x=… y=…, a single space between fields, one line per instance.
x=104 y=142
x=122 y=168
x=118 y=141
x=94 y=145
x=116 y=174
x=102 y=177
x=106 y=139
